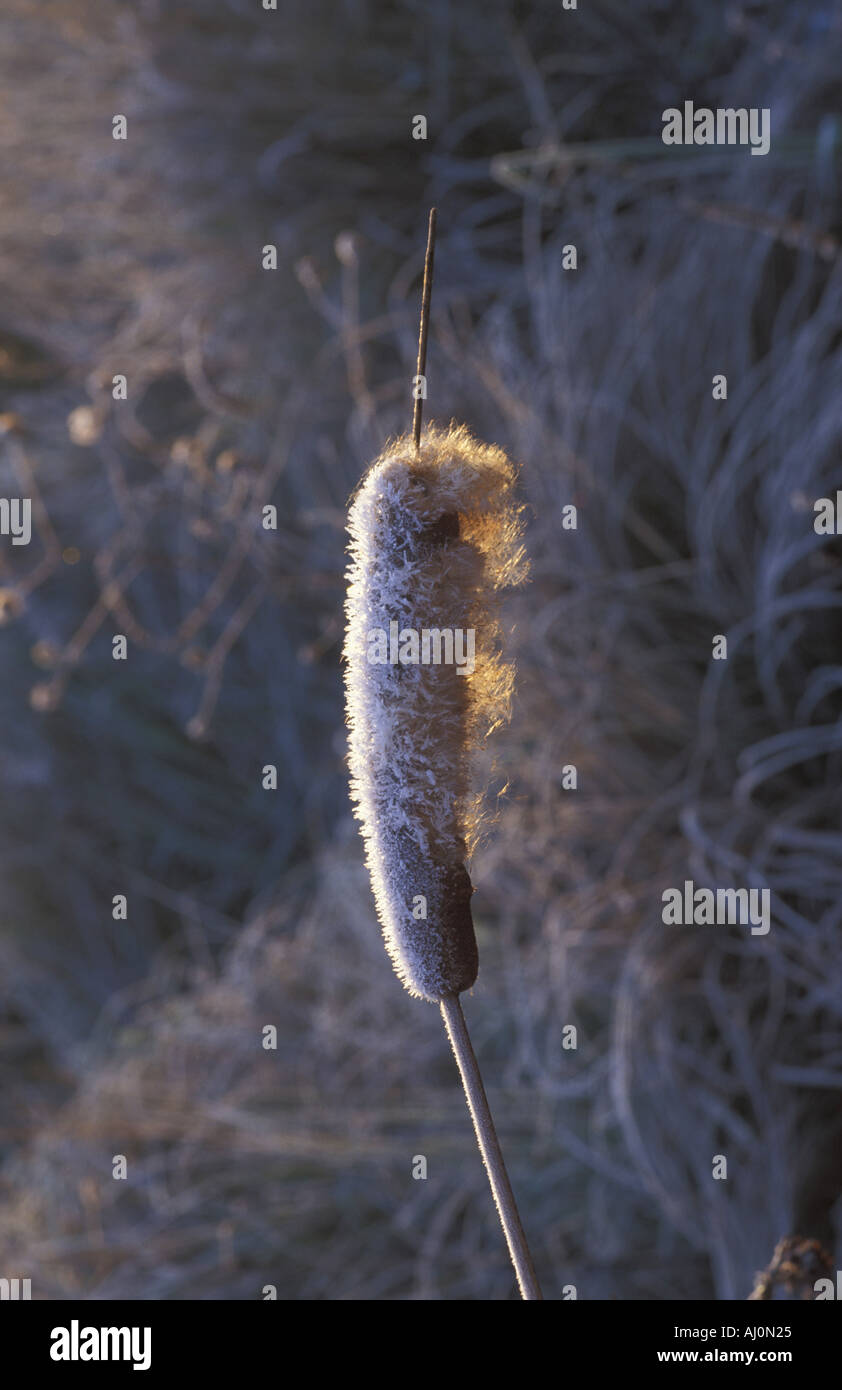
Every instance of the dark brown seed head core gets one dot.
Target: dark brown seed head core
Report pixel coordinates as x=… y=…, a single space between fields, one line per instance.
x=444 y=528
x=457 y=925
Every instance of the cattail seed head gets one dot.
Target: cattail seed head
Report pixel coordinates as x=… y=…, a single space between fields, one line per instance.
x=434 y=536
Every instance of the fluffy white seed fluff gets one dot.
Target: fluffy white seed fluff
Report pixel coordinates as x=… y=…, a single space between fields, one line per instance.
x=434 y=537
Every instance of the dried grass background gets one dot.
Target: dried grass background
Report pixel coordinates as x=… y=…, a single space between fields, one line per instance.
x=248 y=907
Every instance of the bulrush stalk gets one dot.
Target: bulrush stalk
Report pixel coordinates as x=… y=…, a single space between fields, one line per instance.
x=435 y=536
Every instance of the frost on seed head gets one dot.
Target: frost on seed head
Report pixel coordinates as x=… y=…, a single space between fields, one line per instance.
x=434 y=537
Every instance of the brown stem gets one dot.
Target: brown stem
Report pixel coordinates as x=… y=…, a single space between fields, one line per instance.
x=489 y=1146
x=426 y=294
